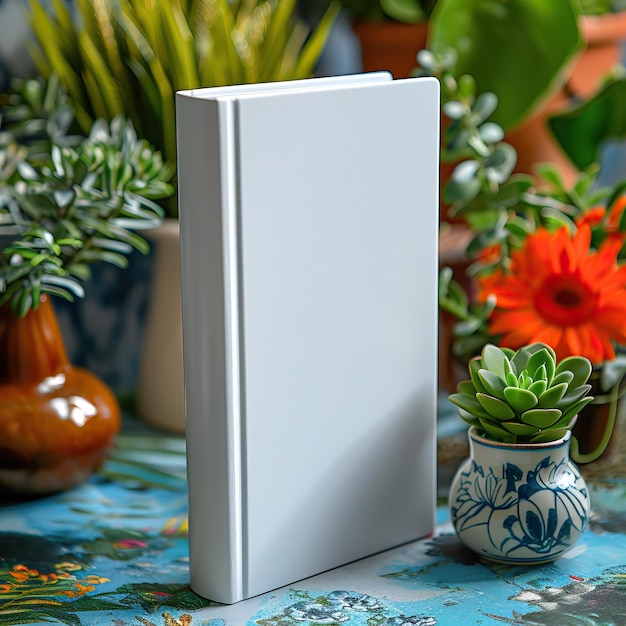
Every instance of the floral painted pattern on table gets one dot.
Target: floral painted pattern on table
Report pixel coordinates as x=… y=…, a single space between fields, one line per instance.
x=340 y=607
x=102 y=547
x=114 y=551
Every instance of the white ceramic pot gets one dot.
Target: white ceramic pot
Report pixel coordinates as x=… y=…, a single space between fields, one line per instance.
x=160 y=387
x=519 y=503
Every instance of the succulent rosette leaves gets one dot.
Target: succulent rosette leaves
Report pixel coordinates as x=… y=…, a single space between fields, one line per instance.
x=523 y=396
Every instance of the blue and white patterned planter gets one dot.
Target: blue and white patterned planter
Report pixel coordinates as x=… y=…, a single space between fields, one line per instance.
x=519 y=503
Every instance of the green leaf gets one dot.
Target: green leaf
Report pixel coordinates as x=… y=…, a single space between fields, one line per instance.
x=575 y=409
x=493 y=384
x=455 y=110
x=524 y=380
x=579 y=366
x=573 y=395
x=466 y=388
x=469 y=404
x=111 y=244
x=474 y=366
x=538 y=387
x=583 y=131
x=500 y=163
x=407 y=11
x=519 y=429
x=541 y=418
x=114 y=258
x=541 y=374
x=497 y=433
x=496 y=407
x=467 y=328
x=462 y=191
x=566 y=421
x=511 y=379
x=486 y=104
x=470 y=418
x=545 y=360
x=523 y=356
x=495 y=360
x=550 y=434
x=67 y=283
x=520 y=399
x=517 y=50
x=552 y=396
x=563 y=377
x=80 y=270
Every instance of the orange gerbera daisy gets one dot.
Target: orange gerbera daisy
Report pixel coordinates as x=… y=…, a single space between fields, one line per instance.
x=561 y=293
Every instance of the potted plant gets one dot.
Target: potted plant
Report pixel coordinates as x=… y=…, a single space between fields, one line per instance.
x=506 y=51
x=519 y=498
x=545 y=260
x=130 y=58
x=390 y=32
x=66 y=202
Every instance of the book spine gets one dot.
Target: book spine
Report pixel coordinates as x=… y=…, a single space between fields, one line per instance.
x=207 y=215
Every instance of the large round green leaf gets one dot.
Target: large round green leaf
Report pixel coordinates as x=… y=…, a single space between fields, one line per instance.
x=517 y=49
x=584 y=130
x=541 y=418
x=551 y=434
x=495 y=407
x=520 y=399
x=496 y=433
x=518 y=429
x=579 y=366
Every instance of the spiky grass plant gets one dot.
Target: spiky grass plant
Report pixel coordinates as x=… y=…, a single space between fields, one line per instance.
x=524 y=396
x=129 y=57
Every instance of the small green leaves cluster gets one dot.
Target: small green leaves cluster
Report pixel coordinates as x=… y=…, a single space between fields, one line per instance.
x=486 y=160
x=523 y=396
x=500 y=206
x=471 y=325
x=75 y=205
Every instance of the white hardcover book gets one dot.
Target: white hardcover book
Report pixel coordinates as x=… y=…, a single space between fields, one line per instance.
x=309 y=220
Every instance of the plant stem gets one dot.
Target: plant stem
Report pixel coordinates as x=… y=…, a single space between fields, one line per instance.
x=589 y=457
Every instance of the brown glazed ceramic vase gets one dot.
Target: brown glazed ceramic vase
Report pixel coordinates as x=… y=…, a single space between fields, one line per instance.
x=57 y=421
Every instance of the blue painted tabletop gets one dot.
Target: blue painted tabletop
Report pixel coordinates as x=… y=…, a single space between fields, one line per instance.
x=114 y=551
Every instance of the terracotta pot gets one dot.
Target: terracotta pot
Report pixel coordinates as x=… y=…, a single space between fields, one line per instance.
x=161 y=391
x=533 y=140
x=57 y=421
x=390 y=46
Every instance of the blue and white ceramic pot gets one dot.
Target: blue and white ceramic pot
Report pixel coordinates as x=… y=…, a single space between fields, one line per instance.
x=519 y=503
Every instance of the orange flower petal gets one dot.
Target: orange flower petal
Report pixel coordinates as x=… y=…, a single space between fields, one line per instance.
x=562 y=293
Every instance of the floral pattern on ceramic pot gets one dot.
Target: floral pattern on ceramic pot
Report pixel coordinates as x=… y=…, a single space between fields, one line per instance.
x=518 y=497
x=523 y=503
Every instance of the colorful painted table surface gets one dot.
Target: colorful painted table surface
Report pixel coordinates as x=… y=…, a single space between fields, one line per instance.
x=114 y=551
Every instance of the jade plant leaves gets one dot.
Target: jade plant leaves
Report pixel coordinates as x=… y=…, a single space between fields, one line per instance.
x=523 y=396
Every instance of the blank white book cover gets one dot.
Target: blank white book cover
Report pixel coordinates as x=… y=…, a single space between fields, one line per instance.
x=309 y=219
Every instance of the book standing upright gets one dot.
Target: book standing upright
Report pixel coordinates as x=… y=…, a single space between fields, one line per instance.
x=309 y=228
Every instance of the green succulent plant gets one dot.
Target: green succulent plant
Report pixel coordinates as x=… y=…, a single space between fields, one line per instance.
x=523 y=396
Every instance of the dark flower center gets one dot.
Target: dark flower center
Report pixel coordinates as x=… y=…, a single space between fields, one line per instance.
x=565 y=300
